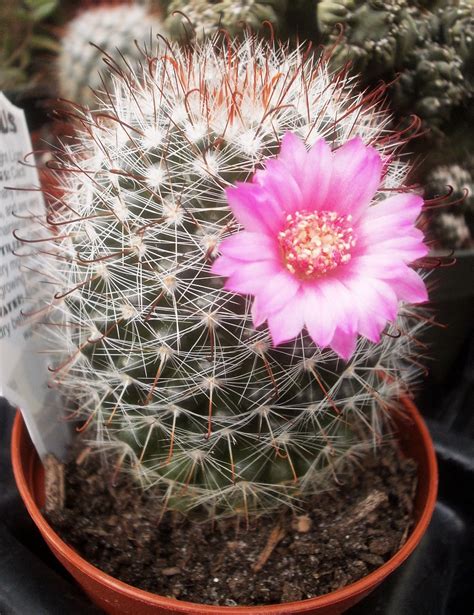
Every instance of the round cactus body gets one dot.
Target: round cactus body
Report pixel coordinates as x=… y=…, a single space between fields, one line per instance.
x=428 y=46
x=200 y=18
x=115 y=29
x=453 y=226
x=377 y=35
x=163 y=364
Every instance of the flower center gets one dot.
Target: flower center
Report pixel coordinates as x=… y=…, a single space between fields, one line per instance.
x=314 y=243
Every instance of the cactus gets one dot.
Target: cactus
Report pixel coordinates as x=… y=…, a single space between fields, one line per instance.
x=432 y=84
x=430 y=47
x=163 y=365
x=115 y=29
x=453 y=226
x=457 y=28
x=199 y=18
x=450 y=231
x=377 y=35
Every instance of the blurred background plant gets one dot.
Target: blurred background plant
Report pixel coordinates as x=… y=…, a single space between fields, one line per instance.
x=426 y=47
x=200 y=18
x=117 y=30
x=453 y=225
x=24 y=33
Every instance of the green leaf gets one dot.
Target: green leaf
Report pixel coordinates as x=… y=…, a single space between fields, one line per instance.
x=46 y=43
x=11 y=78
x=40 y=9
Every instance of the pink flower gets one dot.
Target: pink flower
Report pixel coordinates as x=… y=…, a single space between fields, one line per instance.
x=315 y=253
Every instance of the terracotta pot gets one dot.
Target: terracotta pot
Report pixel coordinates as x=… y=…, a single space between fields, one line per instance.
x=116 y=597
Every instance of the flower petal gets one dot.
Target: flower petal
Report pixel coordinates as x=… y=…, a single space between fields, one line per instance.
x=375 y=304
x=316 y=176
x=258 y=315
x=247 y=246
x=406 y=249
x=280 y=185
x=293 y=153
x=276 y=290
x=356 y=173
x=390 y=218
x=318 y=317
x=287 y=322
x=409 y=286
x=254 y=208
x=344 y=343
x=249 y=278
x=224 y=266
x=402 y=209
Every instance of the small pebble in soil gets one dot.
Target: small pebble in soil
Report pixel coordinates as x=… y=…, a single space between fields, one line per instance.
x=336 y=538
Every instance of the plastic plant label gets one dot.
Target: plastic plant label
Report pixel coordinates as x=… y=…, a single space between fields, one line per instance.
x=23 y=369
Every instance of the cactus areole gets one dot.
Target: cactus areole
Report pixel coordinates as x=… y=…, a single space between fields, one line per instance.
x=230 y=281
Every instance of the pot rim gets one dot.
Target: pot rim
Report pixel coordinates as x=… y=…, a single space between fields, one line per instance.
x=362 y=586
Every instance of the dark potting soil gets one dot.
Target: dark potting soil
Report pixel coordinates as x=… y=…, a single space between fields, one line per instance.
x=339 y=536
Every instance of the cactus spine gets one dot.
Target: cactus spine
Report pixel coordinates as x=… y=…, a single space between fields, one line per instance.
x=162 y=364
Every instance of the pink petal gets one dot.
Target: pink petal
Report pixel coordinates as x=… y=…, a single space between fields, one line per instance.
x=410 y=287
x=406 y=248
x=224 y=266
x=401 y=210
x=318 y=317
x=254 y=208
x=356 y=174
x=293 y=153
x=249 y=278
x=247 y=246
x=384 y=298
x=286 y=323
x=371 y=326
x=372 y=266
x=258 y=315
x=276 y=290
x=344 y=343
x=375 y=303
x=390 y=218
x=334 y=293
x=280 y=185
x=316 y=178
x=311 y=170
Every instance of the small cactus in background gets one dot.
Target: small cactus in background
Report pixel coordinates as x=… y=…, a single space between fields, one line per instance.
x=450 y=231
x=161 y=357
x=377 y=35
x=114 y=28
x=199 y=18
x=24 y=35
x=453 y=225
x=429 y=46
x=457 y=29
x=433 y=84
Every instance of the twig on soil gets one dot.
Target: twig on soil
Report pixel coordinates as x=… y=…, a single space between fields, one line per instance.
x=84 y=453
x=404 y=537
x=364 y=507
x=53 y=484
x=276 y=535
